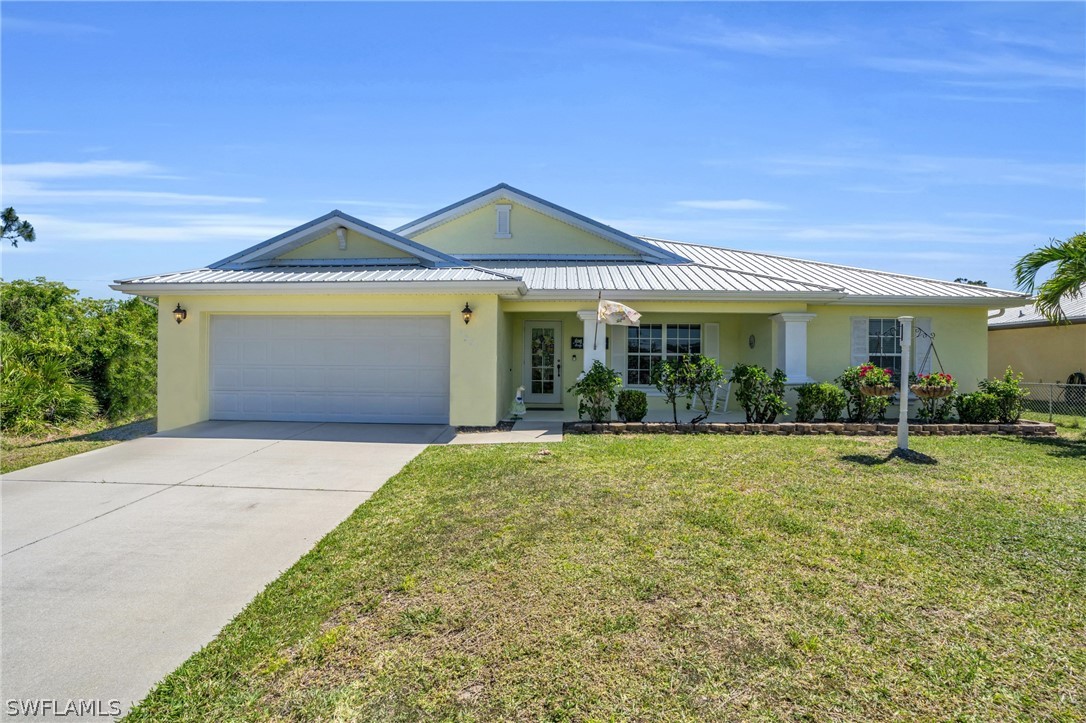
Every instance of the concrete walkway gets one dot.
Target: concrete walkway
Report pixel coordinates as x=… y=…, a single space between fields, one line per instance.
x=120 y=563
x=525 y=430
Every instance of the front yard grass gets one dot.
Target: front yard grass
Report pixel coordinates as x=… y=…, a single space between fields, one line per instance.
x=677 y=578
x=19 y=452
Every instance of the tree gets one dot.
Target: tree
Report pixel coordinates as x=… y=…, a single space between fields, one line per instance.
x=971 y=282
x=1067 y=280
x=16 y=230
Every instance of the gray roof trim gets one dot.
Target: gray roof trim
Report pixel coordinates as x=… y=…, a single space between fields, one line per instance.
x=309 y=231
x=500 y=287
x=821 y=297
x=504 y=190
x=1034 y=324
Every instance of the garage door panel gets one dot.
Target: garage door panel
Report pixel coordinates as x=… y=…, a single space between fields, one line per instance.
x=330 y=368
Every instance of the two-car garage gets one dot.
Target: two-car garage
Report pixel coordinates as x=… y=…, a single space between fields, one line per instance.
x=391 y=369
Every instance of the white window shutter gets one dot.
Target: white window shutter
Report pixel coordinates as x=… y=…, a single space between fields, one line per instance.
x=859 y=340
x=710 y=341
x=618 y=350
x=922 y=352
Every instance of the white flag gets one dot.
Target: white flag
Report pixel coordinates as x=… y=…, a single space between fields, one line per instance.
x=613 y=313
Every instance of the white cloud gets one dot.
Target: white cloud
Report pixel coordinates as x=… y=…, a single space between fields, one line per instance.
x=987 y=69
x=737 y=204
x=31 y=193
x=179 y=228
x=49 y=27
x=44 y=170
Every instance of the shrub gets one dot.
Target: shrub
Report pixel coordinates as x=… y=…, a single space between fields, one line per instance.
x=1008 y=393
x=698 y=378
x=760 y=395
x=664 y=375
x=834 y=401
x=977 y=408
x=66 y=358
x=632 y=405
x=596 y=390
x=861 y=408
x=810 y=402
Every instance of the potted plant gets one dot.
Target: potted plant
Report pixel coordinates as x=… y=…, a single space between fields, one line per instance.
x=933 y=386
x=876 y=381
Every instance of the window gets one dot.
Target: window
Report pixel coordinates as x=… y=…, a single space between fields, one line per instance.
x=884 y=344
x=649 y=344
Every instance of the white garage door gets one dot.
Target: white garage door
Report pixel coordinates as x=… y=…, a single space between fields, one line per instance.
x=330 y=368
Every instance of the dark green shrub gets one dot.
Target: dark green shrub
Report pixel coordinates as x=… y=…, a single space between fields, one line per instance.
x=596 y=390
x=66 y=358
x=698 y=379
x=760 y=395
x=632 y=405
x=861 y=408
x=977 y=408
x=664 y=375
x=1008 y=393
x=809 y=403
x=834 y=401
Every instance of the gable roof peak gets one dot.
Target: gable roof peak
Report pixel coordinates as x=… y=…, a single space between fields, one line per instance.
x=648 y=252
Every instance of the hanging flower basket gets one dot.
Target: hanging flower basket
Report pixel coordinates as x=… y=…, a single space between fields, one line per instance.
x=878 y=390
x=931 y=392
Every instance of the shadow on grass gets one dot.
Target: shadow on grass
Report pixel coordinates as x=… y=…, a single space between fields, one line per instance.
x=905 y=455
x=1055 y=446
x=121 y=433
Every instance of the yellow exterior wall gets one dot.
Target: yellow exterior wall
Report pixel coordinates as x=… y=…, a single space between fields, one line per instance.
x=960 y=337
x=533 y=232
x=358 y=247
x=184 y=350
x=1039 y=353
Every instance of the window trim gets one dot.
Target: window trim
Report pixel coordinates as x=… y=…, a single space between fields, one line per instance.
x=663 y=352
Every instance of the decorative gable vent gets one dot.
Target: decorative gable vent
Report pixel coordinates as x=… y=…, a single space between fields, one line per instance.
x=503 y=229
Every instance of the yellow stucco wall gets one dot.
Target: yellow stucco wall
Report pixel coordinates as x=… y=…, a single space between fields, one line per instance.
x=533 y=232
x=358 y=247
x=184 y=350
x=1039 y=353
x=960 y=338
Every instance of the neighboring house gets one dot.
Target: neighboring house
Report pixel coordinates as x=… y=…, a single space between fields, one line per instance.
x=339 y=320
x=1040 y=350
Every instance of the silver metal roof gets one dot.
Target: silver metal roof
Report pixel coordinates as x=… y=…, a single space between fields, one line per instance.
x=854 y=281
x=321 y=274
x=647 y=277
x=1073 y=309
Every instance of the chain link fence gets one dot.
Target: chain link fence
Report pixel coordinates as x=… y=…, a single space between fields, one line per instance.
x=1056 y=401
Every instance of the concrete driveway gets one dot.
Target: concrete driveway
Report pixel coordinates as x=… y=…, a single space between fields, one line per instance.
x=119 y=563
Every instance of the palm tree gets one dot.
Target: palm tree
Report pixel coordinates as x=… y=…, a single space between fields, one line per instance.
x=1068 y=280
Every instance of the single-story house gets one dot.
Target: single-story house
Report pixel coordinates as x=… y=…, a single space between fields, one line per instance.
x=1042 y=351
x=442 y=319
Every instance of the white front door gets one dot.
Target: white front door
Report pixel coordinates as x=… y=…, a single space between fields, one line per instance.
x=543 y=362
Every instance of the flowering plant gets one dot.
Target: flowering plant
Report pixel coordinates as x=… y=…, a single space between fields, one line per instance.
x=873 y=376
x=937 y=380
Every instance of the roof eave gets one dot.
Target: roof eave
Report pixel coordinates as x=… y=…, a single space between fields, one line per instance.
x=501 y=287
x=691 y=295
x=986 y=302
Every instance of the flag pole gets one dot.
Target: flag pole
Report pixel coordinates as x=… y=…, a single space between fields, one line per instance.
x=596 y=334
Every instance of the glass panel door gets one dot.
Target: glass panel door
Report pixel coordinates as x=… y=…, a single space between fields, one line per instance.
x=543 y=362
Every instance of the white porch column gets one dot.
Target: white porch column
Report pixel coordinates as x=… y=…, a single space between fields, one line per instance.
x=590 y=354
x=791 y=333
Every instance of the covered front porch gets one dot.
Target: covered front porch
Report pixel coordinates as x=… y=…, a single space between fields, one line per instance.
x=545 y=347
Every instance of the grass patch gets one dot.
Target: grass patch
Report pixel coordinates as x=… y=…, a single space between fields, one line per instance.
x=677 y=578
x=19 y=452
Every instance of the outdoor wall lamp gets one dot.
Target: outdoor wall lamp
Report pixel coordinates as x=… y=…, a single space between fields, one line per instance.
x=179 y=314
x=466 y=313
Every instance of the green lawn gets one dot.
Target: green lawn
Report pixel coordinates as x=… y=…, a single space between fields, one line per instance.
x=19 y=452
x=678 y=578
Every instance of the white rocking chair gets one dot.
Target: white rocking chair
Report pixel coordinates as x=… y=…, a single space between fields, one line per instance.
x=721 y=395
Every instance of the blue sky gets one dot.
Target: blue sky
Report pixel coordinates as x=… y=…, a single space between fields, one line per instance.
x=937 y=139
